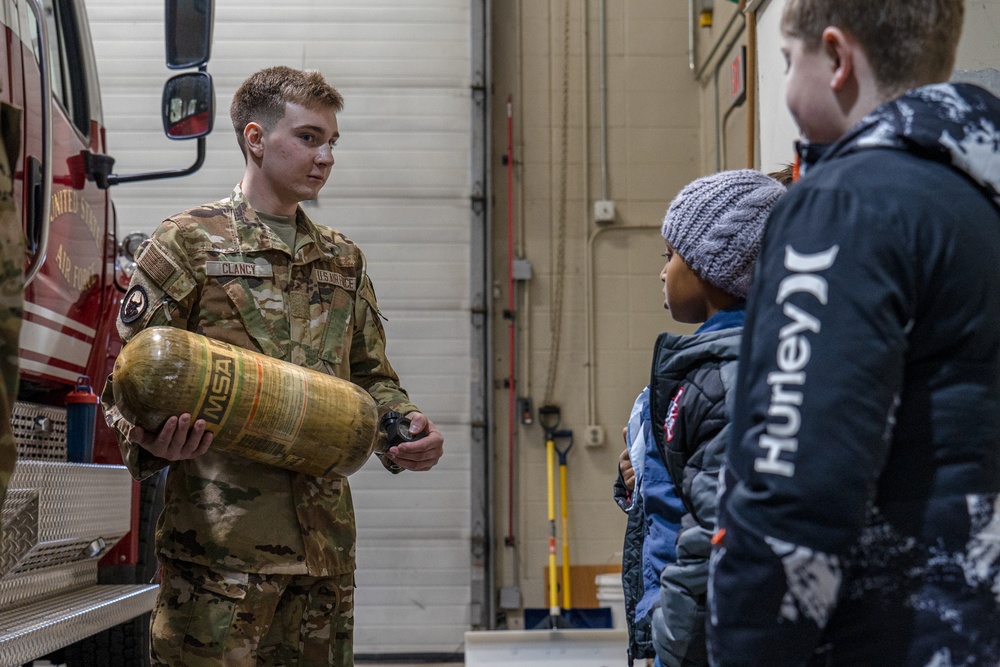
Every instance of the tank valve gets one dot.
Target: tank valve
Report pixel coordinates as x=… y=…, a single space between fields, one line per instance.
x=397 y=431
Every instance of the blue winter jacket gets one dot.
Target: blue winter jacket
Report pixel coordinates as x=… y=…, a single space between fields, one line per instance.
x=654 y=517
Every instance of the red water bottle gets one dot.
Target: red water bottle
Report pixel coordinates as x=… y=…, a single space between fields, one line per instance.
x=81 y=413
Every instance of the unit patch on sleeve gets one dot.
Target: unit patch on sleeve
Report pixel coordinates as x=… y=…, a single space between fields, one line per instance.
x=331 y=278
x=134 y=304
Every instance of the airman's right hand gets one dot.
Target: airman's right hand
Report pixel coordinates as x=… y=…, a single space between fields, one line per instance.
x=178 y=440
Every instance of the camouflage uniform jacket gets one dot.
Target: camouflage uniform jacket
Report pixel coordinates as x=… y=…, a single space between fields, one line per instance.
x=219 y=271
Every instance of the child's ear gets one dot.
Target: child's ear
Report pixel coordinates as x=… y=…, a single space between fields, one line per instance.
x=839 y=48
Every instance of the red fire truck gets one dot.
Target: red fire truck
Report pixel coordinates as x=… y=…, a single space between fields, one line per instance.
x=76 y=560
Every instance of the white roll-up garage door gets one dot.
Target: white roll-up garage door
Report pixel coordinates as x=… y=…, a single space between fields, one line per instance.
x=401 y=189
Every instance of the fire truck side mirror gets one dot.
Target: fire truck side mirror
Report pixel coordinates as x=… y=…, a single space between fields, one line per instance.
x=188 y=105
x=189 y=32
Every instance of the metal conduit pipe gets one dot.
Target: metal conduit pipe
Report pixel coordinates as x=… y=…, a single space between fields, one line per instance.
x=591 y=307
x=604 y=98
x=691 y=34
x=525 y=312
x=751 y=85
x=591 y=336
x=588 y=266
x=585 y=85
x=715 y=48
x=520 y=362
x=720 y=119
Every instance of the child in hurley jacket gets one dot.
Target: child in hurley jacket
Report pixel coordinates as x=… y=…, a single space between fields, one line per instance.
x=860 y=519
x=679 y=424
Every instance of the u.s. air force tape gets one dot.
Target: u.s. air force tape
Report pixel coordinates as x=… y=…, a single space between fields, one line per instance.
x=134 y=304
x=331 y=278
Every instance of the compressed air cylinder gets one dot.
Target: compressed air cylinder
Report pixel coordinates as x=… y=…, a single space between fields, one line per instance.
x=257 y=406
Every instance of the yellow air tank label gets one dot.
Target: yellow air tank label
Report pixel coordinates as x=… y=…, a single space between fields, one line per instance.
x=278 y=410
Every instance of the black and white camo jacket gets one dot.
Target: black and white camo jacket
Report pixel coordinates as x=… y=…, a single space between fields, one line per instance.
x=860 y=522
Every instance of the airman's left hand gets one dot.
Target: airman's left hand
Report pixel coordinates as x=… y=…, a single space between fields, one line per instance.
x=422 y=454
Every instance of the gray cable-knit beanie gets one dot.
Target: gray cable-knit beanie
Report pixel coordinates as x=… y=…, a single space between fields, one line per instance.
x=716 y=222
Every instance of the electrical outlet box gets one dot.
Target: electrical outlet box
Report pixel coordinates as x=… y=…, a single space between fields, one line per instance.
x=510 y=597
x=594 y=436
x=521 y=269
x=604 y=210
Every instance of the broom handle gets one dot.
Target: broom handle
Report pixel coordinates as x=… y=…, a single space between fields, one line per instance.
x=565 y=535
x=550 y=454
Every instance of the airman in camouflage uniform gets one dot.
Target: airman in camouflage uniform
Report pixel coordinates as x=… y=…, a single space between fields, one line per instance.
x=257 y=561
x=11 y=289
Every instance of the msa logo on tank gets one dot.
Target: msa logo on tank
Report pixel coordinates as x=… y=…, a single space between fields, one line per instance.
x=71 y=215
x=220 y=384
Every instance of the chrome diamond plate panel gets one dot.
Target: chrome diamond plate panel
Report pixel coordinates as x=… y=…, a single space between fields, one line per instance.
x=20 y=527
x=43 y=582
x=34 y=630
x=82 y=511
x=39 y=431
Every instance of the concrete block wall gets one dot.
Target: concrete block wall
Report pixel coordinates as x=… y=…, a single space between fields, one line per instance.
x=666 y=125
x=653 y=150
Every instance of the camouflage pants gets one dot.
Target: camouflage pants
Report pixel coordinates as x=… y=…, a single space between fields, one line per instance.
x=205 y=617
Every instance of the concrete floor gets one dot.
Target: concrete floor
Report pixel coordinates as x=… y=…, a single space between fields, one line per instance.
x=542 y=648
x=46 y=663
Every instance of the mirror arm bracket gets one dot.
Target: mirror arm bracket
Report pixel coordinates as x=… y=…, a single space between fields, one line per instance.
x=115 y=179
x=98 y=167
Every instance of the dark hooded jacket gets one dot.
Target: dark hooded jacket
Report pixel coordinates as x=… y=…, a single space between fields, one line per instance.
x=859 y=521
x=691 y=390
x=677 y=434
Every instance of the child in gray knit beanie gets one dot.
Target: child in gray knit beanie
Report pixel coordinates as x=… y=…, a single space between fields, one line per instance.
x=715 y=225
x=675 y=435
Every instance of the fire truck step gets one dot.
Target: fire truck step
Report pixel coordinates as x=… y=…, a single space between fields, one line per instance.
x=35 y=629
